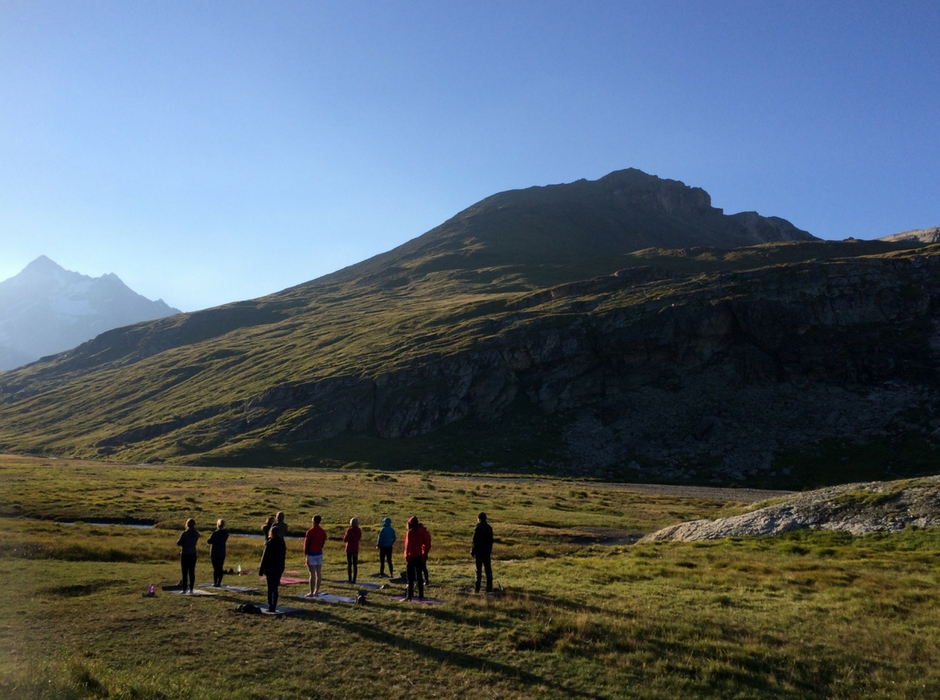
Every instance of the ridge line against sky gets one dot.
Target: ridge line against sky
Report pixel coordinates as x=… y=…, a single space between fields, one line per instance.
x=212 y=152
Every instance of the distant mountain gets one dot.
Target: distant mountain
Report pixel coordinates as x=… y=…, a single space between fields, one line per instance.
x=924 y=235
x=46 y=309
x=619 y=329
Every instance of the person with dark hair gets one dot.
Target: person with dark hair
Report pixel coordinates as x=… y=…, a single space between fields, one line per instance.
x=417 y=545
x=384 y=544
x=266 y=528
x=217 y=541
x=187 y=541
x=351 y=544
x=273 y=558
x=482 y=550
x=313 y=555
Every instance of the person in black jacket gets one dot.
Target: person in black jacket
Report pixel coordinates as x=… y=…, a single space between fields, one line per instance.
x=272 y=564
x=217 y=541
x=187 y=541
x=481 y=550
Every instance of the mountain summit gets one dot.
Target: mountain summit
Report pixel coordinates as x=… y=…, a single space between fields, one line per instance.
x=543 y=232
x=46 y=309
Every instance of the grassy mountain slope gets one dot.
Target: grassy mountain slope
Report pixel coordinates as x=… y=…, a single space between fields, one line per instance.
x=416 y=356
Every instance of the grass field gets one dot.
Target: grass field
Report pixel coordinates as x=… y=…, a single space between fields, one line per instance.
x=809 y=615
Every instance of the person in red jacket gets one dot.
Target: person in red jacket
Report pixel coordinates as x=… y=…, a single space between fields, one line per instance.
x=313 y=554
x=417 y=546
x=351 y=544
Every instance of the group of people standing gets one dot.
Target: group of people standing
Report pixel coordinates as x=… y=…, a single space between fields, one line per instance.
x=417 y=545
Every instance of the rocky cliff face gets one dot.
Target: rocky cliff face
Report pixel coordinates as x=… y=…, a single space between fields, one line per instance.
x=724 y=370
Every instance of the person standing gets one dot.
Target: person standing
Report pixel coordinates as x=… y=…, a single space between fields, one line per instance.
x=273 y=558
x=351 y=544
x=187 y=540
x=417 y=545
x=313 y=554
x=217 y=541
x=424 y=558
x=280 y=523
x=482 y=550
x=384 y=544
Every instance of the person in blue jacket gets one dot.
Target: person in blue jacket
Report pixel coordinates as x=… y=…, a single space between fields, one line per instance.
x=385 y=543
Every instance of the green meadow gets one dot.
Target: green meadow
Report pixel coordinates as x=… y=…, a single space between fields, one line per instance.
x=583 y=612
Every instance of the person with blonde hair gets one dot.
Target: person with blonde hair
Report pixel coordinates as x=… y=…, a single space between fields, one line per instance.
x=187 y=541
x=216 y=542
x=351 y=544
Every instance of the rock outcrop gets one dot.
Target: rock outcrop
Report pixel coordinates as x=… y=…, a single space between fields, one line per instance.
x=858 y=509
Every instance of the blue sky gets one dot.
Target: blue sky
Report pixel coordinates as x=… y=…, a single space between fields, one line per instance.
x=208 y=152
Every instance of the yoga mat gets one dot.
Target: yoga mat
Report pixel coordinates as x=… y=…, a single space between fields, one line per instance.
x=361 y=584
x=328 y=598
x=180 y=591
x=288 y=581
x=278 y=611
x=418 y=601
x=231 y=589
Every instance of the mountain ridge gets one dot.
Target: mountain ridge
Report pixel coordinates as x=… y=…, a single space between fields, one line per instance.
x=461 y=350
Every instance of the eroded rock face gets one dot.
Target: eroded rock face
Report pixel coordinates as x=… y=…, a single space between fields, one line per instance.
x=736 y=367
x=858 y=509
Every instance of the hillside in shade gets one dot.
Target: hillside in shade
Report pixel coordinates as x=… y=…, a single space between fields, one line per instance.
x=46 y=309
x=622 y=328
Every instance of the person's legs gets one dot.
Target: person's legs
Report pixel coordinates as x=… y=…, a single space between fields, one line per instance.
x=349 y=567
x=188 y=566
x=184 y=570
x=218 y=570
x=355 y=566
x=424 y=572
x=489 y=575
x=317 y=576
x=272 y=592
x=476 y=587
x=411 y=569
x=385 y=555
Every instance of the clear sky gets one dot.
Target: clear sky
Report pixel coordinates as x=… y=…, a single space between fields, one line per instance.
x=208 y=152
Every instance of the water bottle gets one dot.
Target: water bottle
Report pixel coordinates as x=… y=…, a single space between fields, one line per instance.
x=150 y=590
x=239 y=569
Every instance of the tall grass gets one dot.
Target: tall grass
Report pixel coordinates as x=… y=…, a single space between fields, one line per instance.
x=806 y=615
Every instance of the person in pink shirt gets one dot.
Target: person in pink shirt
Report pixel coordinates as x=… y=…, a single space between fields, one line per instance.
x=351 y=544
x=313 y=554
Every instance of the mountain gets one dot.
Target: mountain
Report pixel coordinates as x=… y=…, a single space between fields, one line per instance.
x=622 y=328
x=46 y=309
x=548 y=235
x=924 y=235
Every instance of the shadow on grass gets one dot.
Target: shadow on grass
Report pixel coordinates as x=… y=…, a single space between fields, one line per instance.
x=467 y=661
x=82 y=589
